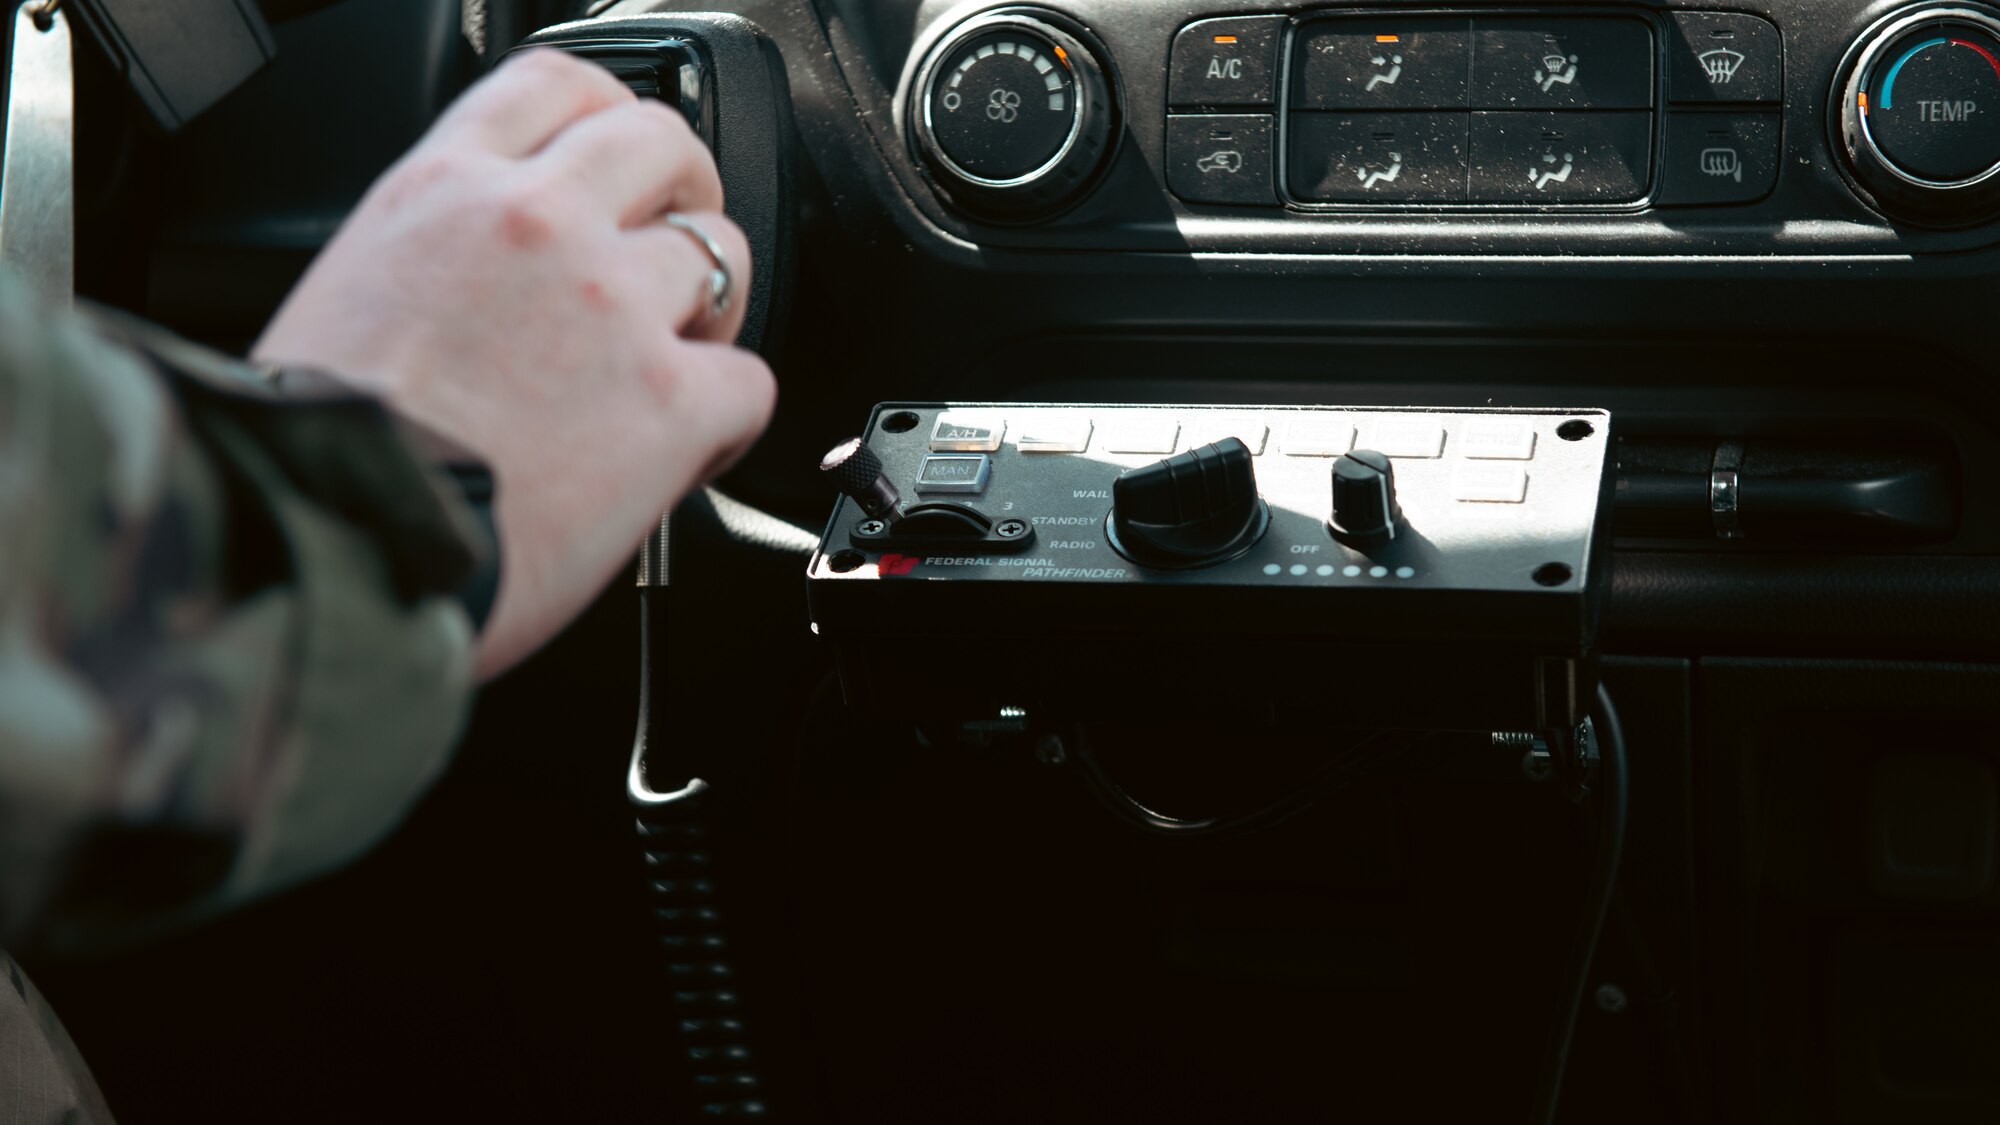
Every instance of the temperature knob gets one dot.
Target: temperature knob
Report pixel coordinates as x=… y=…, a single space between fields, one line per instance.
x=1920 y=116
x=1012 y=114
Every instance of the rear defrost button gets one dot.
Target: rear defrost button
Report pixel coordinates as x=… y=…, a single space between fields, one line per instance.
x=1719 y=157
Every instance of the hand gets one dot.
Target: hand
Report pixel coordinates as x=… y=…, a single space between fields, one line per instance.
x=508 y=285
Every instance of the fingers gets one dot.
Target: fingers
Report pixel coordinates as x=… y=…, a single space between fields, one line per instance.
x=736 y=391
x=530 y=99
x=637 y=160
x=683 y=262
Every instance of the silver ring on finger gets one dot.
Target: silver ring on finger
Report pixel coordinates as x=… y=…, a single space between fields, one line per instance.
x=720 y=280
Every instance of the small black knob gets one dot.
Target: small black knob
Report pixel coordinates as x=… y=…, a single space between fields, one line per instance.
x=1365 y=512
x=857 y=472
x=1191 y=509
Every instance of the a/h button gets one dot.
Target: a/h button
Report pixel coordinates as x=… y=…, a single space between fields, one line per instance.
x=959 y=433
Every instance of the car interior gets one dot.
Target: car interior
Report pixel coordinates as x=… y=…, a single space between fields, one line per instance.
x=1316 y=560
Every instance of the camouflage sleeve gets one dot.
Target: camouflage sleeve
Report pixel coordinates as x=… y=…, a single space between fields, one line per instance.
x=228 y=654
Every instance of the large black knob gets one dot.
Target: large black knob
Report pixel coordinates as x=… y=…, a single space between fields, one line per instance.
x=857 y=471
x=1192 y=509
x=1365 y=512
x=1013 y=114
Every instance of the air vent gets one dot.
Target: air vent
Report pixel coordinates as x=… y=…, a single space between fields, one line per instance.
x=672 y=70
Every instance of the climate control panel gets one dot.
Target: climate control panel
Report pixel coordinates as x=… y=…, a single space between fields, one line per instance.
x=1372 y=129
x=1605 y=109
x=1466 y=539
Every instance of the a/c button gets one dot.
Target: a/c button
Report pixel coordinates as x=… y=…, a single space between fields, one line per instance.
x=1225 y=62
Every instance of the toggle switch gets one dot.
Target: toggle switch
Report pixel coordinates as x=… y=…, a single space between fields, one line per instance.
x=857 y=472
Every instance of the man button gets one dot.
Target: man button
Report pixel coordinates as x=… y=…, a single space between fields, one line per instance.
x=1221 y=158
x=1225 y=62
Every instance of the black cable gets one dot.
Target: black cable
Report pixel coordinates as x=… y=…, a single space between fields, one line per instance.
x=1611 y=813
x=1346 y=764
x=1610 y=798
x=688 y=914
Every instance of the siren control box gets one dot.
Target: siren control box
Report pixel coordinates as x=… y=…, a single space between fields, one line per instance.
x=1385 y=568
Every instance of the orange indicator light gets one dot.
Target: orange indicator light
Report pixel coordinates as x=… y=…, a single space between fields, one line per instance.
x=1388 y=39
x=1225 y=39
x=1863 y=99
x=1062 y=55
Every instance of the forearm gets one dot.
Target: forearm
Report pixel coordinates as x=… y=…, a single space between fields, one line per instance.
x=228 y=657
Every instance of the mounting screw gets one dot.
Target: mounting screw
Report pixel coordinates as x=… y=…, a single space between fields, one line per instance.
x=1049 y=750
x=871 y=527
x=1537 y=765
x=1011 y=529
x=1611 y=999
